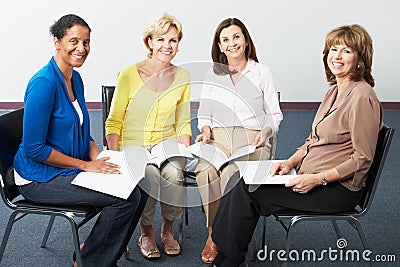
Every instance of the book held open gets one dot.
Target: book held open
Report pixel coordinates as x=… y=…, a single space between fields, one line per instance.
x=132 y=161
x=215 y=155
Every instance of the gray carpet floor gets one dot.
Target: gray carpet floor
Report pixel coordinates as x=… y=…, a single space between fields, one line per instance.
x=381 y=223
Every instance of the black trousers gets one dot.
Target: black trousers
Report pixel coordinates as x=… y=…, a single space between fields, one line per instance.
x=114 y=226
x=240 y=210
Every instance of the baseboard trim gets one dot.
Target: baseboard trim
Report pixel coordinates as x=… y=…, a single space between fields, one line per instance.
x=195 y=105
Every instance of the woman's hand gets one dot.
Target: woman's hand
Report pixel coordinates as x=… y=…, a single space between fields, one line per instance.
x=261 y=137
x=304 y=183
x=101 y=165
x=280 y=168
x=205 y=136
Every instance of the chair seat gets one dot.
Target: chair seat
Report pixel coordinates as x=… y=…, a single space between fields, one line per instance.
x=78 y=210
x=291 y=213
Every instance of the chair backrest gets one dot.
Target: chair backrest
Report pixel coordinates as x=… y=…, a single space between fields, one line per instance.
x=10 y=139
x=374 y=173
x=107 y=93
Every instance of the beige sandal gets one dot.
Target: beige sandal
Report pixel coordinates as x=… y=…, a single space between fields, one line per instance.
x=171 y=251
x=151 y=254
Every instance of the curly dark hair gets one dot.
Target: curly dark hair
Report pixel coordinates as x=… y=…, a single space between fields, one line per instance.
x=60 y=27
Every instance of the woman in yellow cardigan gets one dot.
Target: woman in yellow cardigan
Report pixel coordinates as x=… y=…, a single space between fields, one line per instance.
x=151 y=103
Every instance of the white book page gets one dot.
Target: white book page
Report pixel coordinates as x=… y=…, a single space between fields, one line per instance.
x=136 y=158
x=211 y=153
x=118 y=185
x=257 y=172
x=215 y=155
x=167 y=149
x=243 y=151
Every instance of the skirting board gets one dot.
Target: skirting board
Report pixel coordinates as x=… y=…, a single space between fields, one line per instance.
x=195 y=105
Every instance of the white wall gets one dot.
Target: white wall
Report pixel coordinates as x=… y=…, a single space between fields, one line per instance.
x=289 y=36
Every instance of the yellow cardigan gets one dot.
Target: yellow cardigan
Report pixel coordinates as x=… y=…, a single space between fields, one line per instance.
x=143 y=117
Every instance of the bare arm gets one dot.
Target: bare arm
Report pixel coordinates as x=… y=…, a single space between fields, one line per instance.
x=94 y=151
x=113 y=141
x=60 y=160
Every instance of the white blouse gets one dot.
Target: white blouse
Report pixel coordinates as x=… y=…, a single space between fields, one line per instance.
x=251 y=103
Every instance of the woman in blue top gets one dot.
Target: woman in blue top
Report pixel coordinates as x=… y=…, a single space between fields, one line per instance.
x=56 y=146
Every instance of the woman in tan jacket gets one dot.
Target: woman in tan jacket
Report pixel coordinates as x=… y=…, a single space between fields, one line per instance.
x=334 y=160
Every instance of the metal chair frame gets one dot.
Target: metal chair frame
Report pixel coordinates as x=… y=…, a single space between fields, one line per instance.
x=10 y=138
x=289 y=219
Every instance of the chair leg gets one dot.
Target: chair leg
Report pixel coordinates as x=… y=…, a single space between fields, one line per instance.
x=259 y=245
x=127 y=254
x=287 y=242
x=186 y=216
x=77 y=245
x=264 y=227
x=180 y=230
x=337 y=230
x=7 y=233
x=354 y=222
x=46 y=235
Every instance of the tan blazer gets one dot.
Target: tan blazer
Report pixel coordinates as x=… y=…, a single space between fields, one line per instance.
x=344 y=134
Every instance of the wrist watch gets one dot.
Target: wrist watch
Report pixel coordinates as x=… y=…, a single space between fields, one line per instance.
x=323 y=181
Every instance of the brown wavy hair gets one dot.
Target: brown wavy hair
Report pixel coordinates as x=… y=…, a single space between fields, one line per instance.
x=221 y=68
x=357 y=38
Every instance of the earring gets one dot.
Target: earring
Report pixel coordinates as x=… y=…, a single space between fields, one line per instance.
x=358 y=66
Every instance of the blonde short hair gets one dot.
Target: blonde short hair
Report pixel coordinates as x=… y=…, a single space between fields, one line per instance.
x=158 y=27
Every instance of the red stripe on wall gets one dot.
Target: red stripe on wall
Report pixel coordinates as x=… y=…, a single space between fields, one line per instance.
x=195 y=105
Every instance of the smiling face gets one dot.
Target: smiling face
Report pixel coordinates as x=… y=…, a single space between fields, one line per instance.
x=165 y=47
x=342 y=61
x=73 y=48
x=233 y=43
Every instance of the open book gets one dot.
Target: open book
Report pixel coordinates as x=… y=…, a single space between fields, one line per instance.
x=133 y=161
x=257 y=172
x=164 y=150
x=215 y=155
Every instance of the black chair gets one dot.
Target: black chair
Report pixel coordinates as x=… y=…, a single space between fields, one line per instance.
x=107 y=93
x=290 y=218
x=10 y=139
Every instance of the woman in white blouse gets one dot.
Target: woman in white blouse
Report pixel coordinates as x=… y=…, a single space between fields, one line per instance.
x=238 y=107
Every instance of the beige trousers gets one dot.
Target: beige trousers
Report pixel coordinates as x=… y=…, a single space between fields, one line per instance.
x=212 y=182
x=166 y=184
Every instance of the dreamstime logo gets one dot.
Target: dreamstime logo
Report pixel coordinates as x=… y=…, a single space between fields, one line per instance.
x=331 y=254
x=341 y=243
